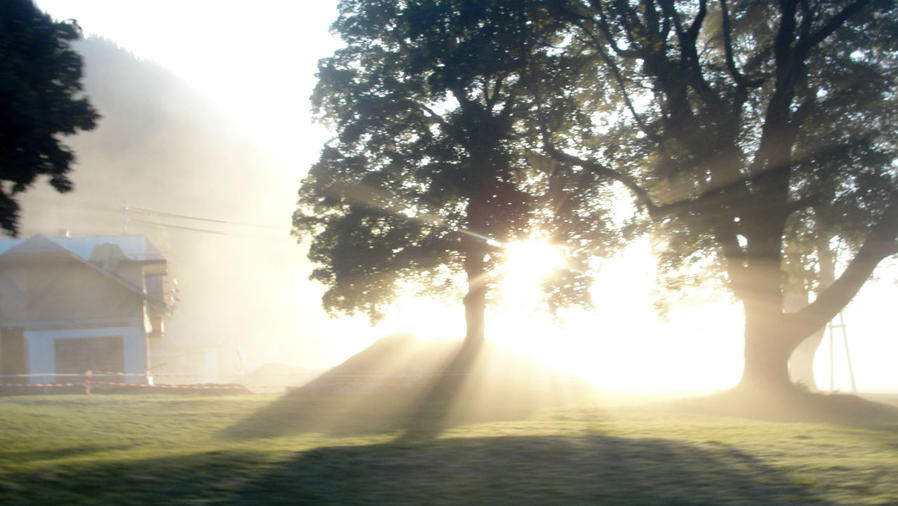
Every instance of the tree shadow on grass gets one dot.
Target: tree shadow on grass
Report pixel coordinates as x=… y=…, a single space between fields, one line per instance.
x=451 y=384
x=489 y=470
x=535 y=470
x=57 y=453
x=794 y=405
x=181 y=479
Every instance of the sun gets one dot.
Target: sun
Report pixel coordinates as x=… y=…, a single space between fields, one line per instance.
x=527 y=264
x=620 y=343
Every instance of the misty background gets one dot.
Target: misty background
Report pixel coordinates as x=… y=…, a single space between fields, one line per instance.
x=163 y=148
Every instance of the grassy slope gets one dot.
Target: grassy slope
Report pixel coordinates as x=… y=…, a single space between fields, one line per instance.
x=155 y=449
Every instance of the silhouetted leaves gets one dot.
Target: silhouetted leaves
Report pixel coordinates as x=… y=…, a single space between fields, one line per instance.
x=40 y=99
x=432 y=154
x=740 y=128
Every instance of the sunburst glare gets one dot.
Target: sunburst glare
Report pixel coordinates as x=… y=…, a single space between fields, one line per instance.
x=527 y=265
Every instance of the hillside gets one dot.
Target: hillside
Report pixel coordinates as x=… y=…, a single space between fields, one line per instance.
x=162 y=146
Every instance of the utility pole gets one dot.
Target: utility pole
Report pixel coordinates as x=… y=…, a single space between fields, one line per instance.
x=843 y=328
x=124 y=217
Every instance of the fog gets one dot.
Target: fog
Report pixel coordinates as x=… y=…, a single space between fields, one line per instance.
x=162 y=146
x=210 y=177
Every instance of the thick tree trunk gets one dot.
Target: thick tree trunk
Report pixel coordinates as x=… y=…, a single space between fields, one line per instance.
x=475 y=314
x=801 y=363
x=475 y=299
x=767 y=353
x=768 y=342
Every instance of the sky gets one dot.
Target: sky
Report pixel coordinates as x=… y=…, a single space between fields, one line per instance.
x=229 y=52
x=257 y=61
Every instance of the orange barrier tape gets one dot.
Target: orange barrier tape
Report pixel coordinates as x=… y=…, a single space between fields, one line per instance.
x=41 y=385
x=144 y=385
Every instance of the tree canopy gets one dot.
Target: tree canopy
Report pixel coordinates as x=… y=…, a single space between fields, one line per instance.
x=430 y=174
x=743 y=130
x=40 y=99
x=750 y=135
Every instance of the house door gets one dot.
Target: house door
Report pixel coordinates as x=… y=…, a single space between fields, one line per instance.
x=12 y=354
x=74 y=356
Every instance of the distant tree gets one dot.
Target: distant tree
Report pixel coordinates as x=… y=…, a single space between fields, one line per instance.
x=40 y=84
x=430 y=171
x=743 y=129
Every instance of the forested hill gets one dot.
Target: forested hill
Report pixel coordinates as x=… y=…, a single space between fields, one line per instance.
x=163 y=146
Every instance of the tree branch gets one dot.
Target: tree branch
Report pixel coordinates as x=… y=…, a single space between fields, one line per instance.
x=490 y=95
x=881 y=243
x=642 y=196
x=606 y=30
x=728 y=51
x=696 y=26
x=837 y=21
x=670 y=12
x=432 y=114
x=629 y=22
x=619 y=78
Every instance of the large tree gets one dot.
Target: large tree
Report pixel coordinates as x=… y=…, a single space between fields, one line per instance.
x=40 y=99
x=742 y=128
x=429 y=173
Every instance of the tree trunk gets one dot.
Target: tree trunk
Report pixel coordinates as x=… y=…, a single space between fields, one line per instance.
x=767 y=353
x=801 y=363
x=475 y=300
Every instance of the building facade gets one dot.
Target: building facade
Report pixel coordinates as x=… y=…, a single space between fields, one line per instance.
x=73 y=304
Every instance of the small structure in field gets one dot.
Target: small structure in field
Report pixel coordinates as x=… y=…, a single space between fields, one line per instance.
x=73 y=304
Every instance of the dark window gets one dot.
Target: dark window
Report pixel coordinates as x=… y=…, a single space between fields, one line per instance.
x=74 y=356
x=12 y=353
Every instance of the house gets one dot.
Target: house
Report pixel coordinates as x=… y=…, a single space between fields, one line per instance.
x=73 y=304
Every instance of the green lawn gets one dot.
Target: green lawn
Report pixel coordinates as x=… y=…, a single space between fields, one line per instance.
x=178 y=449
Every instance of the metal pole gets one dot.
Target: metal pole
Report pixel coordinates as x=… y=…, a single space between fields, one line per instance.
x=124 y=217
x=847 y=353
x=832 y=381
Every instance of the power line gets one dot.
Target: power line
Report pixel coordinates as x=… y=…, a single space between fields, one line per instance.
x=125 y=208
x=169 y=225
x=198 y=218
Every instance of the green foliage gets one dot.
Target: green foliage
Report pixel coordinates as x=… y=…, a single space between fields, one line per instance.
x=430 y=168
x=40 y=85
x=748 y=132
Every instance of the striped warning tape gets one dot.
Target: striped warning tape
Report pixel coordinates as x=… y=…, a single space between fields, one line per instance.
x=111 y=373
x=144 y=385
x=113 y=383
x=2 y=385
x=58 y=375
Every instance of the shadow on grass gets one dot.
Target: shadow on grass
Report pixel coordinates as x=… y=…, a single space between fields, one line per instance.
x=180 y=479
x=451 y=384
x=792 y=406
x=58 y=453
x=540 y=470
x=489 y=470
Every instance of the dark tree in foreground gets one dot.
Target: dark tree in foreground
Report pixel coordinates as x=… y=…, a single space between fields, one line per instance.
x=429 y=172
x=40 y=84
x=743 y=129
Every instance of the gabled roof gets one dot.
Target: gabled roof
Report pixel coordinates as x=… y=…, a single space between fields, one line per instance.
x=39 y=246
x=135 y=247
x=34 y=244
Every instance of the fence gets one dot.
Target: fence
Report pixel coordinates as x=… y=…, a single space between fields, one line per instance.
x=330 y=383
x=90 y=379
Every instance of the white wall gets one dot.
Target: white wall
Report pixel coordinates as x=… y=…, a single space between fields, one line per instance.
x=40 y=345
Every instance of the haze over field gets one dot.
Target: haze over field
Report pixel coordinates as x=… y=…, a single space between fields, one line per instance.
x=205 y=114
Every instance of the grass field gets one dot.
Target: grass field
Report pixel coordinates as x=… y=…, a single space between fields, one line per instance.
x=178 y=449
